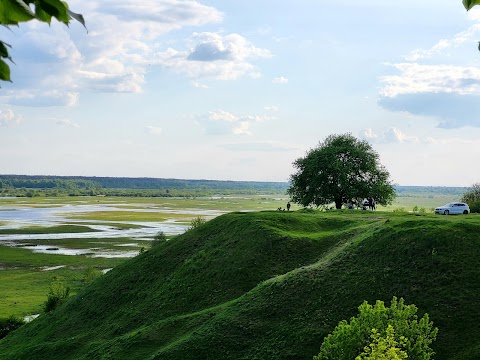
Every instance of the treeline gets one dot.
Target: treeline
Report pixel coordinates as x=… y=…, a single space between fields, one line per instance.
x=411 y=191
x=30 y=186
x=34 y=182
x=50 y=186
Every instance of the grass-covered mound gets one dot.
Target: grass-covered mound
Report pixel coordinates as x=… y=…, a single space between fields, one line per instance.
x=268 y=285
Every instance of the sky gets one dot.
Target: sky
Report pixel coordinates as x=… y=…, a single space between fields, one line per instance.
x=237 y=90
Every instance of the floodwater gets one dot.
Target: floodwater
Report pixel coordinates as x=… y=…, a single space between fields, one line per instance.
x=19 y=216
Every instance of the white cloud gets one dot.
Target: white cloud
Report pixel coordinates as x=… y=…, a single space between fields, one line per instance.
x=41 y=98
x=422 y=53
x=266 y=146
x=8 y=117
x=220 y=122
x=416 y=78
x=170 y=14
x=271 y=108
x=211 y=55
x=392 y=135
x=280 y=80
x=431 y=84
x=123 y=38
x=67 y=123
x=199 y=85
x=153 y=130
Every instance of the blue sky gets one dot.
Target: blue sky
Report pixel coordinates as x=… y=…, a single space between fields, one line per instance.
x=237 y=90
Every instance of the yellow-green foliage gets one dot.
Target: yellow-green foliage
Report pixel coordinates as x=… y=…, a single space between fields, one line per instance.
x=348 y=339
x=384 y=347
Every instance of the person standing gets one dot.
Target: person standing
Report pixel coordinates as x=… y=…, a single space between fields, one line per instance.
x=288 y=206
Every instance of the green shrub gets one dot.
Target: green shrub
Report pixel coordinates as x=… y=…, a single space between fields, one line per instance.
x=400 y=209
x=57 y=294
x=90 y=274
x=9 y=324
x=195 y=223
x=159 y=238
x=472 y=195
x=474 y=206
x=351 y=340
x=415 y=209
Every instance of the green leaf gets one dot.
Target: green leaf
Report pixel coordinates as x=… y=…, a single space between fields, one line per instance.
x=4 y=50
x=4 y=71
x=55 y=8
x=14 y=11
x=78 y=17
x=470 y=3
x=42 y=15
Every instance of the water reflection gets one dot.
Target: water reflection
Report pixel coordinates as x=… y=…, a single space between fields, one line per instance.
x=19 y=217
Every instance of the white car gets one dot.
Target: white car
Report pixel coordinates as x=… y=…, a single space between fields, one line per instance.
x=453 y=208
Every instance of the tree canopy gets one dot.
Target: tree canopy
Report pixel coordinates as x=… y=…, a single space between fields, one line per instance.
x=13 y=12
x=342 y=168
x=380 y=332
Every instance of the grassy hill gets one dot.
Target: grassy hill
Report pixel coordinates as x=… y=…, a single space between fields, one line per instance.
x=268 y=285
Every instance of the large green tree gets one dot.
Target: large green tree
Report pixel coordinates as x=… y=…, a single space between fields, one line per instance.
x=14 y=12
x=380 y=332
x=340 y=169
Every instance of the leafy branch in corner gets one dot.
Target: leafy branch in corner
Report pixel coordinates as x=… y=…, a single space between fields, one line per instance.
x=470 y=3
x=13 y=12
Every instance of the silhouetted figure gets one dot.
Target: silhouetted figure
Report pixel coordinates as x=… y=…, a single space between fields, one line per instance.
x=288 y=206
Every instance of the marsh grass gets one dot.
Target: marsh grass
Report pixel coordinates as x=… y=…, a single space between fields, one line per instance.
x=24 y=284
x=126 y=216
x=60 y=229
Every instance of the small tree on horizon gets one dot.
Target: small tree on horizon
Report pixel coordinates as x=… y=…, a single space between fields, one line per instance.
x=339 y=169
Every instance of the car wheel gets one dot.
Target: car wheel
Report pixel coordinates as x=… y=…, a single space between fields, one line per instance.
x=446 y=212
x=465 y=212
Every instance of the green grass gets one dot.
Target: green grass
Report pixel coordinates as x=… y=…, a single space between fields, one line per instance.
x=23 y=284
x=60 y=229
x=268 y=285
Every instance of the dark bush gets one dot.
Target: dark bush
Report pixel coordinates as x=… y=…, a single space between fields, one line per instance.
x=159 y=238
x=474 y=206
x=9 y=324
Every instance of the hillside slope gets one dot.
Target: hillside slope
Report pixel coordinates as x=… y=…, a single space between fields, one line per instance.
x=268 y=285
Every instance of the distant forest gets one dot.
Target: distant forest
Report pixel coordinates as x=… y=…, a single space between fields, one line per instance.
x=30 y=186
x=27 y=185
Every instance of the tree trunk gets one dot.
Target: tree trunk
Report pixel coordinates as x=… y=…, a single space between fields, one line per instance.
x=338 y=204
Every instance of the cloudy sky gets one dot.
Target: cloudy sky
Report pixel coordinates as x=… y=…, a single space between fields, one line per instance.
x=237 y=90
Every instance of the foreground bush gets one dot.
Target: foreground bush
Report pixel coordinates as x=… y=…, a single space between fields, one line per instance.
x=9 y=324
x=395 y=331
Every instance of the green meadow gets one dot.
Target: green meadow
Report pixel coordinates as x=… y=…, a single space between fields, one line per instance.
x=32 y=283
x=24 y=282
x=256 y=285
